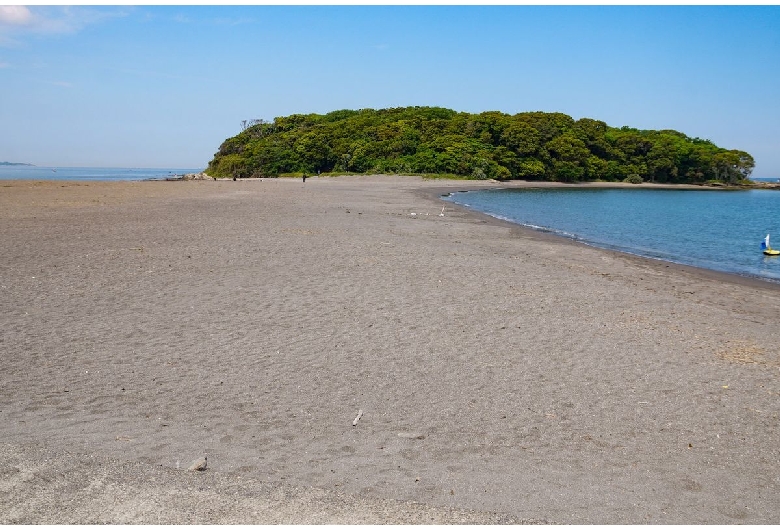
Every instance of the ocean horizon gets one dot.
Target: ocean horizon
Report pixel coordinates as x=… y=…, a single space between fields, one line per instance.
x=719 y=230
x=26 y=172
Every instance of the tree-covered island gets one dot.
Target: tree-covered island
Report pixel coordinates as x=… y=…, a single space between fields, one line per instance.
x=489 y=145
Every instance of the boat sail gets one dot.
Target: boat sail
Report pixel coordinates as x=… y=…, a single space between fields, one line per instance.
x=768 y=250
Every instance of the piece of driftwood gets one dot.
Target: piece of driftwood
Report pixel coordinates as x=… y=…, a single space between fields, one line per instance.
x=411 y=435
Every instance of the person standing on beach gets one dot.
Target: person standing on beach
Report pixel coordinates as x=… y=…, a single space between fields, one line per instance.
x=304 y=177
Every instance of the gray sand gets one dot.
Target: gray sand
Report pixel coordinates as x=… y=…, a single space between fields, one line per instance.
x=503 y=375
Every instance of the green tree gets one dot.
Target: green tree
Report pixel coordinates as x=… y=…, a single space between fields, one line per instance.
x=569 y=156
x=528 y=145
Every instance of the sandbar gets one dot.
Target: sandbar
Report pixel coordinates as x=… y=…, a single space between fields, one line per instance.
x=343 y=353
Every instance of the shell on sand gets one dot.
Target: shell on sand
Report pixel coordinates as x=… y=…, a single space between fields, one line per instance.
x=199 y=465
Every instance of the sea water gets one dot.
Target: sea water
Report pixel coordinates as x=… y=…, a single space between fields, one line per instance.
x=89 y=173
x=712 y=229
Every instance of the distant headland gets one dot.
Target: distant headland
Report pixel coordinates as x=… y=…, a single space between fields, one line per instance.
x=14 y=164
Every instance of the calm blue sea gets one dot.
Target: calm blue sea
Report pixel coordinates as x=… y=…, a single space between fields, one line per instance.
x=88 y=173
x=712 y=229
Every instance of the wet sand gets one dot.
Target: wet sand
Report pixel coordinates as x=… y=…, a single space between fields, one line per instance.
x=503 y=375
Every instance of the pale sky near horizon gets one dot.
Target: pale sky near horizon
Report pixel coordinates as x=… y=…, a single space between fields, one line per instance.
x=163 y=86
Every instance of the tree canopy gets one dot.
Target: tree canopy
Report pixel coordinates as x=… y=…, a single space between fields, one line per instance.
x=488 y=145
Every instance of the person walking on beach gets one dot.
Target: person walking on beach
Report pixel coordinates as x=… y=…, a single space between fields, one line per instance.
x=304 y=178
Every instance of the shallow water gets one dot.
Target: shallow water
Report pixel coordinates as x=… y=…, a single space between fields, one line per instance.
x=712 y=229
x=89 y=173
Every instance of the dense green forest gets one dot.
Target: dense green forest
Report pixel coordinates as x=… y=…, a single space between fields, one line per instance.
x=489 y=145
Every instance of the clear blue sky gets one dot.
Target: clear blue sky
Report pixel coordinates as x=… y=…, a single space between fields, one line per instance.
x=163 y=86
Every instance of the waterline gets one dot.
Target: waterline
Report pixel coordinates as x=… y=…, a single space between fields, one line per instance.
x=712 y=229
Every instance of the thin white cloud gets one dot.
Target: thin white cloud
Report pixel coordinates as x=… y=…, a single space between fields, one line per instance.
x=17 y=21
x=5 y=65
x=72 y=19
x=64 y=84
x=15 y=15
x=228 y=21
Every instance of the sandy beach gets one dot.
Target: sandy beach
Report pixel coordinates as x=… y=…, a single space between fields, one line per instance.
x=342 y=353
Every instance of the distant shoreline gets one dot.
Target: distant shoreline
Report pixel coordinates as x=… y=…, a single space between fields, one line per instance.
x=178 y=174
x=749 y=184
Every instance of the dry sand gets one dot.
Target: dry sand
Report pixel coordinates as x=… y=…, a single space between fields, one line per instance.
x=503 y=375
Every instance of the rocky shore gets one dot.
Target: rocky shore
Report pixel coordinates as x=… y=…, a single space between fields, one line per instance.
x=191 y=176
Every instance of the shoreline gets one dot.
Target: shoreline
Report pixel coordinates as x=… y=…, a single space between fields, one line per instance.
x=746 y=280
x=502 y=374
x=442 y=187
